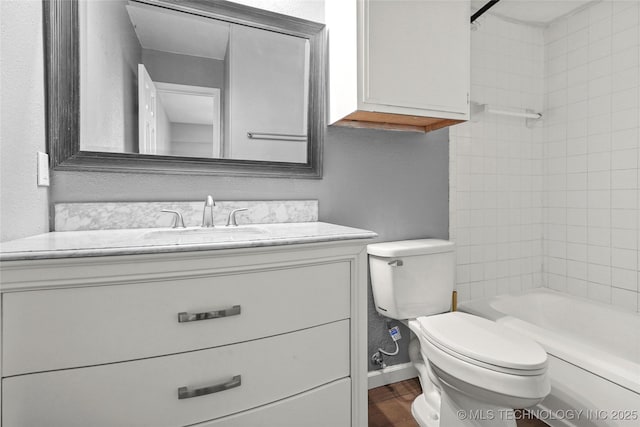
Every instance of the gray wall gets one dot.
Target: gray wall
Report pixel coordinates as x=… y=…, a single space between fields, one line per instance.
x=184 y=69
x=191 y=139
x=23 y=205
x=394 y=183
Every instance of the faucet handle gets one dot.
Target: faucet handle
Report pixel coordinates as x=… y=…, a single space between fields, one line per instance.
x=178 y=220
x=231 y=220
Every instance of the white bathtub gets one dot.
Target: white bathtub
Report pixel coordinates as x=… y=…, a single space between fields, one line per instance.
x=594 y=354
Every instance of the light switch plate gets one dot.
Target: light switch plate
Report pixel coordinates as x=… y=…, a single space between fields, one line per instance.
x=43 y=169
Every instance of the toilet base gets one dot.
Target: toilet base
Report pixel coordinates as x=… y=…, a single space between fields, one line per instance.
x=425 y=414
x=450 y=414
x=458 y=409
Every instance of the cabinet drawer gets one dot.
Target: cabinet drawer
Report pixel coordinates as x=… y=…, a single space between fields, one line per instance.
x=63 y=328
x=329 y=405
x=145 y=392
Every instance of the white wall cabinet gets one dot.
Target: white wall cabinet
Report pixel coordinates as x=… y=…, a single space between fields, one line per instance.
x=399 y=64
x=98 y=341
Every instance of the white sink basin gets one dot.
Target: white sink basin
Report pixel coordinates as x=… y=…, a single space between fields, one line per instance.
x=201 y=232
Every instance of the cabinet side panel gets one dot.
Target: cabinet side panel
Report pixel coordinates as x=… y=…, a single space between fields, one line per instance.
x=341 y=17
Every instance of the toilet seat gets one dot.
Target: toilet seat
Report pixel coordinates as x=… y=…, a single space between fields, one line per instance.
x=483 y=343
x=469 y=353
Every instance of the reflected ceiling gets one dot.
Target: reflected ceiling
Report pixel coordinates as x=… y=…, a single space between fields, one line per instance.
x=171 y=31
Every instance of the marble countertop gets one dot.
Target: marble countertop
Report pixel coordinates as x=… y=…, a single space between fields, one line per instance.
x=76 y=244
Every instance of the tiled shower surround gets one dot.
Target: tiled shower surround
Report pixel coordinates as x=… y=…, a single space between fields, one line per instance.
x=496 y=165
x=564 y=210
x=591 y=153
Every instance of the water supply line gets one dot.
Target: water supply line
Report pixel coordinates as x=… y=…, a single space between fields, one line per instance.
x=377 y=357
x=394 y=353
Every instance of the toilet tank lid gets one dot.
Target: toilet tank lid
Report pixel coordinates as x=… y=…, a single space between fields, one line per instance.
x=410 y=247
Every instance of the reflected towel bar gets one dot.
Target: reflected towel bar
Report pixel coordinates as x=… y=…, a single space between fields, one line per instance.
x=277 y=136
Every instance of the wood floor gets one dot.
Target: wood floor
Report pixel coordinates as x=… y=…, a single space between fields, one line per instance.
x=390 y=406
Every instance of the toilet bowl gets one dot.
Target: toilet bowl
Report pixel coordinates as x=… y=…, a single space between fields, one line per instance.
x=473 y=371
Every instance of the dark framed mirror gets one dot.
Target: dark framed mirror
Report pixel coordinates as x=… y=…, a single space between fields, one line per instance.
x=262 y=115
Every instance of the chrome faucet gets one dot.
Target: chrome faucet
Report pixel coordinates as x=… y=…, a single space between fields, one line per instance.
x=208 y=203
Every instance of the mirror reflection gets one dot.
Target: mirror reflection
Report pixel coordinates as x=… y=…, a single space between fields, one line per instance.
x=163 y=82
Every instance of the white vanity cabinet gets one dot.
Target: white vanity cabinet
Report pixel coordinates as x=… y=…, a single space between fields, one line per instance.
x=271 y=336
x=399 y=64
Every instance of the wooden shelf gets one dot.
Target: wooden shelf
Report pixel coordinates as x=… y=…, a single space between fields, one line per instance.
x=390 y=121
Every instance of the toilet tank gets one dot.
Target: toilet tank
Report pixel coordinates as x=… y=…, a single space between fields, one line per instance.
x=412 y=278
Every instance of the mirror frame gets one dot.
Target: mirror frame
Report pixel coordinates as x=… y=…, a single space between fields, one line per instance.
x=62 y=76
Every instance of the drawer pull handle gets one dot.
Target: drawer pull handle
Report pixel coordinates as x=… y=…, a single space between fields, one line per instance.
x=192 y=317
x=185 y=393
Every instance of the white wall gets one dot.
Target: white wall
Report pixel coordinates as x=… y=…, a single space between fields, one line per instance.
x=592 y=153
x=23 y=205
x=495 y=166
x=163 y=130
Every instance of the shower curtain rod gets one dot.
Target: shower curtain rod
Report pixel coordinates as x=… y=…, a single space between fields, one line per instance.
x=483 y=9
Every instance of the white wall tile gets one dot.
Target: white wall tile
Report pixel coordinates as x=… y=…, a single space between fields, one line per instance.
x=599 y=292
x=498 y=163
x=600 y=48
x=624 y=258
x=624 y=298
x=577 y=21
x=624 y=80
x=626 y=19
x=577 y=287
x=600 y=30
x=624 y=279
x=557 y=205
x=600 y=86
x=625 y=59
x=624 y=39
x=624 y=159
x=625 y=139
x=626 y=219
x=602 y=215
x=579 y=55
x=624 y=179
x=624 y=199
x=600 y=11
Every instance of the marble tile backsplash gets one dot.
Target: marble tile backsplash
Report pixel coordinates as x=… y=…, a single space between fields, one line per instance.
x=118 y=215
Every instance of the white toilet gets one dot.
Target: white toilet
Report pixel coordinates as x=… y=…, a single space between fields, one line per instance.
x=477 y=370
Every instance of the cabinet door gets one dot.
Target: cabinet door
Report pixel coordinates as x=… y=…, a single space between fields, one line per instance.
x=268 y=91
x=415 y=55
